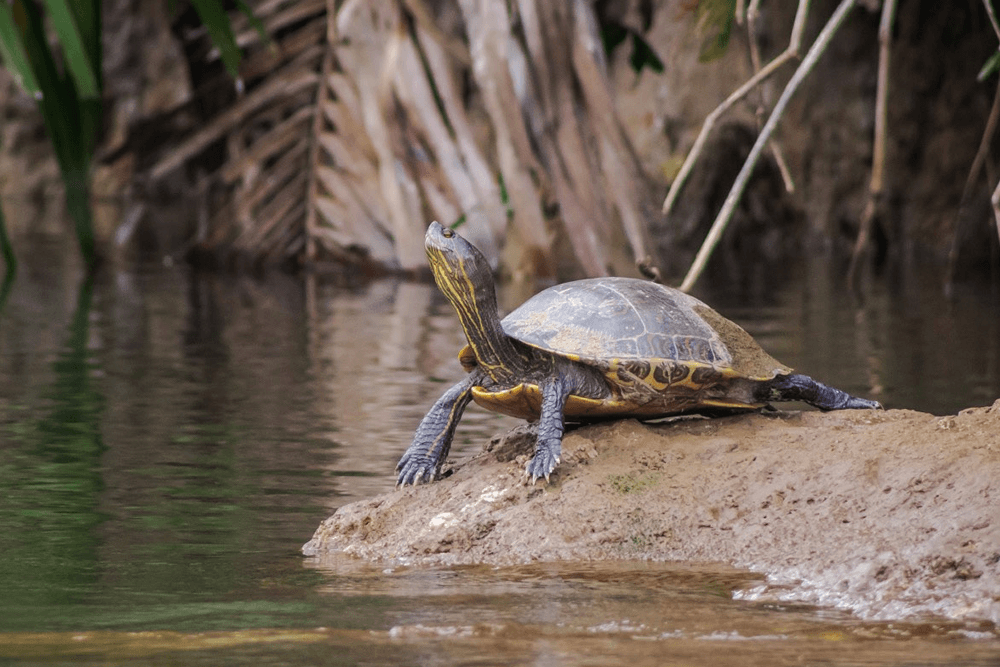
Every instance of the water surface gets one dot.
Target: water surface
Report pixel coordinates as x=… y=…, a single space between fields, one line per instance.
x=170 y=439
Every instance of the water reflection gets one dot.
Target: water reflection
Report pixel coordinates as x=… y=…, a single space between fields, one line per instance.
x=50 y=478
x=383 y=353
x=169 y=439
x=900 y=340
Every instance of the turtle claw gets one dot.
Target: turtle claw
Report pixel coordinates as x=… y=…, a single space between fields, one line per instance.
x=413 y=472
x=541 y=466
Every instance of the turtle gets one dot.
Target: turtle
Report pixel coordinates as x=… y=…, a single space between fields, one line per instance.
x=592 y=349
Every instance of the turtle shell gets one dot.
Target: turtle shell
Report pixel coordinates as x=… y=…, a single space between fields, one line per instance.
x=661 y=350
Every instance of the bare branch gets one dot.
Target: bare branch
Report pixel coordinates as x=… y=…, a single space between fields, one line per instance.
x=876 y=186
x=993 y=17
x=995 y=200
x=790 y=53
x=803 y=70
x=974 y=171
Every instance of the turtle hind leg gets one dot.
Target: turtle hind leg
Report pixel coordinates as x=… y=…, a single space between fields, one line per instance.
x=797 y=387
x=423 y=459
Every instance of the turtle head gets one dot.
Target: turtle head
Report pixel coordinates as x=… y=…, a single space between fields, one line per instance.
x=465 y=277
x=460 y=270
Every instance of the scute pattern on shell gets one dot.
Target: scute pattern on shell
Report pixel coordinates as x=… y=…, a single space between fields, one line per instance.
x=617 y=318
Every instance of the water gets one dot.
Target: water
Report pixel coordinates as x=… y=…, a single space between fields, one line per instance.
x=169 y=440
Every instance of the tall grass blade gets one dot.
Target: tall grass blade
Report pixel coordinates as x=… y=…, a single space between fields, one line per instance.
x=12 y=50
x=10 y=261
x=72 y=123
x=75 y=54
x=6 y=249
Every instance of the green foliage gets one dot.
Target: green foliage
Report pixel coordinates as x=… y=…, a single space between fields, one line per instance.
x=6 y=250
x=213 y=15
x=990 y=67
x=644 y=56
x=614 y=34
x=715 y=20
x=80 y=54
x=9 y=260
x=12 y=48
x=67 y=85
x=65 y=78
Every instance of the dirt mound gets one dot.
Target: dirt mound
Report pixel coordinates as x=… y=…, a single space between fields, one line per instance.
x=890 y=514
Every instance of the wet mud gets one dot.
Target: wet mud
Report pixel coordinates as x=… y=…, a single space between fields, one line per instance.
x=891 y=514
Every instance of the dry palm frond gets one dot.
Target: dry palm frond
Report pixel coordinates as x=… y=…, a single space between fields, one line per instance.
x=265 y=132
x=358 y=125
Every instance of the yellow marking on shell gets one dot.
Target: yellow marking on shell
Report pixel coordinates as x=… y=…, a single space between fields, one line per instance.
x=722 y=403
x=524 y=401
x=616 y=368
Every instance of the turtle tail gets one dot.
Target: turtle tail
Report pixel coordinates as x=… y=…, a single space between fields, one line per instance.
x=797 y=387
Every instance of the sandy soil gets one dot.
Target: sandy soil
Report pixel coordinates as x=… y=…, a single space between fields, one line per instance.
x=890 y=514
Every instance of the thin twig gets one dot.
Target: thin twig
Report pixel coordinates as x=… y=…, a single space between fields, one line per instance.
x=993 y=17
x=876 y=187
x=753 y=11
x=974 y=171
x=789 y=53
x=995 y=200
x=798 y=24
x=786 y=173
x=803 y=70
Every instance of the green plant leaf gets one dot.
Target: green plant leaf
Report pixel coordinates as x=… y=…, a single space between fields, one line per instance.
x=612 y=35
x=10 y=261
x=6 y=250
x=69 y=120
x=75 y=55
x=990 y=67
x=715 y=19
x=254 y=21
x=643 y=55
x=12 y=50
x=220 y=31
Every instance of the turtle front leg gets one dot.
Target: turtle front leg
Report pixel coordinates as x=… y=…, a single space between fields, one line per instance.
x=550 y=429
x=803 y=388
x=423 y=459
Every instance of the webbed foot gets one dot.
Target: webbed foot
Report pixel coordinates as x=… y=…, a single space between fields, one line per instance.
x=415 y=469
x=423 y=458
x=544 y=461
x=550 y=428
x=797 y=387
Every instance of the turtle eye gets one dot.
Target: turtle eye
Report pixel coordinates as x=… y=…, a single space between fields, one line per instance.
x=448 y=233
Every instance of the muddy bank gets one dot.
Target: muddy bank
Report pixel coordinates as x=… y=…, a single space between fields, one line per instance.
x=889 y=514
